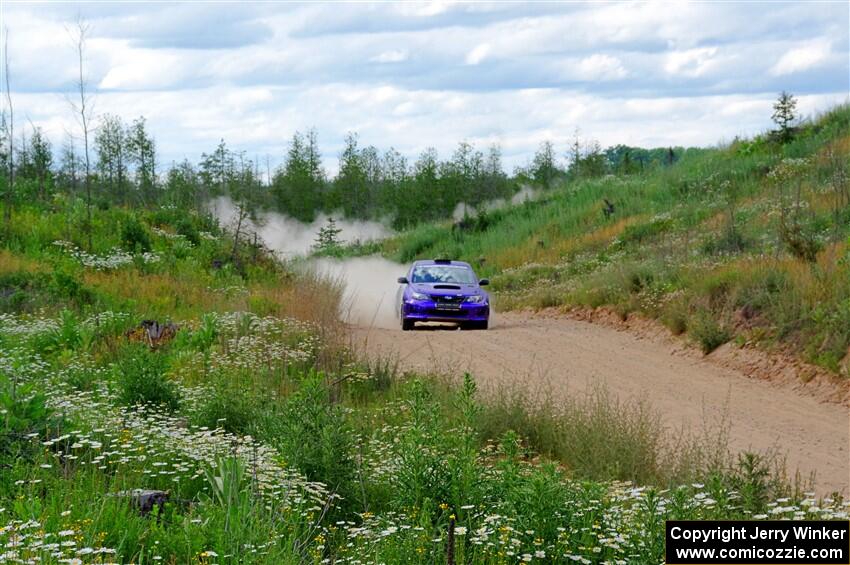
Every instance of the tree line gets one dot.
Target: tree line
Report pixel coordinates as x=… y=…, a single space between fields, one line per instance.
x=111 y=162
x=370 y=184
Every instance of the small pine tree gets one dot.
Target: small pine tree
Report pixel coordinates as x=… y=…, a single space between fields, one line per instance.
x=328 y=237
x=784 y=113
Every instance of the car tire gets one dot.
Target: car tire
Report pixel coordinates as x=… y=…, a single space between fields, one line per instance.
x=406 y=325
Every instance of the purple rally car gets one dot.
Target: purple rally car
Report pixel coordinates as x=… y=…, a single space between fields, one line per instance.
x=443 y=291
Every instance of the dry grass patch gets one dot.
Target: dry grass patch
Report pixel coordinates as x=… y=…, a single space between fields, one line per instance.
x=12 y=263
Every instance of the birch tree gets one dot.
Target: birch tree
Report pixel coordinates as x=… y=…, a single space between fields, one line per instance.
x=82 y=105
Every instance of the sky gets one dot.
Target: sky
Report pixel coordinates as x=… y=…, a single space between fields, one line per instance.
x=428 y=74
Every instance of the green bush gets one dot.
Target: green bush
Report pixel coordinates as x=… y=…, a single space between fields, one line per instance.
x=67 y=284
x=25 y=417
x=187 y=229
x=801 y=241
x=228 y=409
x=16 y=290
x=708 y=332
x=134 y=235
x=142 y=378
x=423 y=477
x=730 y=241
x=312 y=434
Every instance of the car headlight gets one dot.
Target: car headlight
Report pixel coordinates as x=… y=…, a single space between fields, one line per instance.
x=477 y=299
x=419 y=296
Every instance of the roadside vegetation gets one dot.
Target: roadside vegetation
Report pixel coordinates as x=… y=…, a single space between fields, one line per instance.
x=745 y=242
x=248 y=432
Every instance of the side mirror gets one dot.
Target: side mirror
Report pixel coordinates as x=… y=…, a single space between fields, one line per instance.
x=483 y=282
x=402 y=280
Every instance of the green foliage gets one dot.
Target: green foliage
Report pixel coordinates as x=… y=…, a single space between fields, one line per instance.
x=70 y=334
x=784 y=114
x=801 y=241
x=544 y=168
x=708 y=332
x=207 y=332
x=187 y=229
x=729 y=241
x=327 y=240
x=28 y=292
x=313 y=435
x=67 y=284
x=228 y=482
x=639 y=233
x=298 y=187
x=134 y=235
x=142 y=378
x=23 y=415
x=228 y=408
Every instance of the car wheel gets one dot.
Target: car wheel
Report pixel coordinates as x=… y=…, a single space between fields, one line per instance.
x=406 y=325
x=480 y=325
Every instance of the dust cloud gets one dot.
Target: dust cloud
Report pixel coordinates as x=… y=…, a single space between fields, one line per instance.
x=289 y=237
x=525 y=194
x=370 y=283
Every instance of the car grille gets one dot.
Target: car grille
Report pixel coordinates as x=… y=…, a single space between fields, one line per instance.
x=447 y=299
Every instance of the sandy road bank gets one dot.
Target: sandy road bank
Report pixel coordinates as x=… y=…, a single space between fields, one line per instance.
x=571 y=355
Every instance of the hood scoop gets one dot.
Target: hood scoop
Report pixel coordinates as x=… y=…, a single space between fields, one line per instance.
x=446 y=287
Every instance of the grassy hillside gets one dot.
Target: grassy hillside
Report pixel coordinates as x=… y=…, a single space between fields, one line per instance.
x=746 y=242
x=271 y=442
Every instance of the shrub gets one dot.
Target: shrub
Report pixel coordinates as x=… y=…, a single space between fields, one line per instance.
x=66 y=284
x=731 y=241
x=228 y=409
x=313 y=435
x=142 y=378
x=187 y=229
x=758 y=478
x=800 y=241
x=25 y=412
x=70 y=334
x=676 y=321
x=15 y=290
x=423 y=475
x=708 y=332
x=134 y=236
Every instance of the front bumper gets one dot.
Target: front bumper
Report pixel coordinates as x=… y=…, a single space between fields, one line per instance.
x=427 y=311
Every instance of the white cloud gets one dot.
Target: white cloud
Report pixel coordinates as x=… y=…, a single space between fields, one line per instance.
x=802 y=58
x=143 y=70
x=414 y=75
x=690 y=63
x=391 y=56
x=478 y=54
x=601 y=67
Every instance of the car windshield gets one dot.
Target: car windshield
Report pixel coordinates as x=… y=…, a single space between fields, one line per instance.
x=443 y=274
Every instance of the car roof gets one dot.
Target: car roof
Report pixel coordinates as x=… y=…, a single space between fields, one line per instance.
x=426 y=262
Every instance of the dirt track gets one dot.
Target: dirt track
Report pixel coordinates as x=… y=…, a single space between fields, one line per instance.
x=570 y=355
